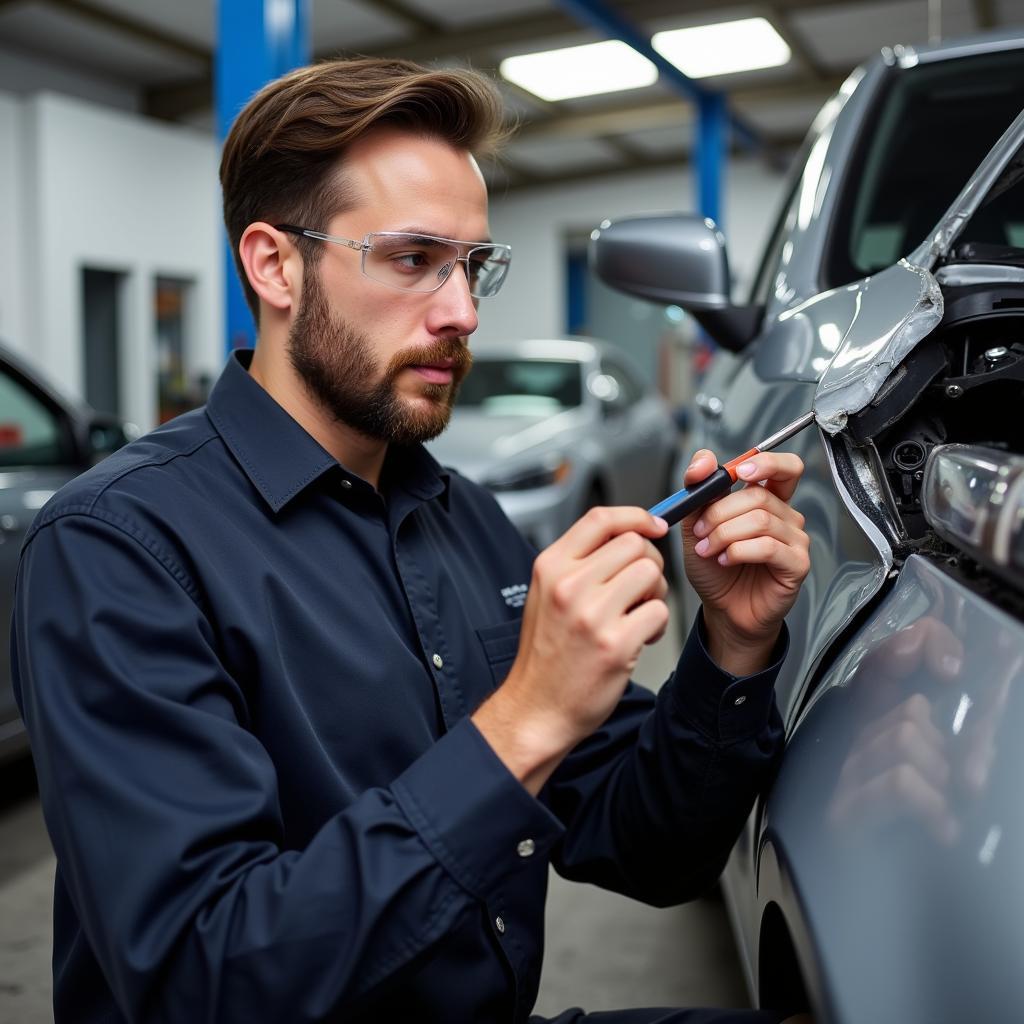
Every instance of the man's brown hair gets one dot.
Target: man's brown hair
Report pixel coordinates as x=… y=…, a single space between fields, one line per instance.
x=282 y=151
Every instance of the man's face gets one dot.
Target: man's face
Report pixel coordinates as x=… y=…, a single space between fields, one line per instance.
x=387 y=362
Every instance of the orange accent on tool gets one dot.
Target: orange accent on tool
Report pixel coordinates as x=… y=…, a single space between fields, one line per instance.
x=731 y=466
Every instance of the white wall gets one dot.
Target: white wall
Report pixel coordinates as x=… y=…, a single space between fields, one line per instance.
x=12 y=198
x=113 y=191
x=83 y=185
x=23 y=75
x=535 y=223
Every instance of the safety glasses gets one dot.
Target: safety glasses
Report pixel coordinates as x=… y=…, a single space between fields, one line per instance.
x=422 y=263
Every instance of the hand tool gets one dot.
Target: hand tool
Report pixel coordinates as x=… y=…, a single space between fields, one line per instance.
x=679 y=505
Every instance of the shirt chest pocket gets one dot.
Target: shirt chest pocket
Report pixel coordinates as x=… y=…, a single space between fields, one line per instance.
x=500 y=644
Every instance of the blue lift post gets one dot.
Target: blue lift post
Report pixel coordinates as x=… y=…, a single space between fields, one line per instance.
x=713 y=124
x=714 y=117
x=257 y=41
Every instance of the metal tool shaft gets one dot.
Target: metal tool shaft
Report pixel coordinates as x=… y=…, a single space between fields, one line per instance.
x=785 y=433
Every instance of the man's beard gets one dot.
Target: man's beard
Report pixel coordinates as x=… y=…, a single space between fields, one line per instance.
x=337 y=366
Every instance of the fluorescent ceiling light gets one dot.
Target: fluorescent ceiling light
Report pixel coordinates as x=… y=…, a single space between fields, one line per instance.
x=724 y=48
x=564 y=74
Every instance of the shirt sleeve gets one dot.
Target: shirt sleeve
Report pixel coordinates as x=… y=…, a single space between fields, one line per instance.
x=654 y=800
x=164 y=812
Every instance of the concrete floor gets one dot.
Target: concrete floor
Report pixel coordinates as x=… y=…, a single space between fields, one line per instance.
x=603 y=951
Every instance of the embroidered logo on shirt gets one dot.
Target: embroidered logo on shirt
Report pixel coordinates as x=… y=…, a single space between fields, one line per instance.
x=515 y=596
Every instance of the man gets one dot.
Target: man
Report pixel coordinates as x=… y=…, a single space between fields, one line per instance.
x=299 y=759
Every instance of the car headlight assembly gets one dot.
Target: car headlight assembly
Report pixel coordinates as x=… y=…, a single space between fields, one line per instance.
x=531 y=477
x=974 y=498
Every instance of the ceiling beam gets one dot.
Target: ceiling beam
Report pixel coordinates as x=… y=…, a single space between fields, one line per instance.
x=409 y=16
x=191 y=96
x=673 y=161
x=803 y=53
x=663 y=113
x=136 y=30
x=508 y=33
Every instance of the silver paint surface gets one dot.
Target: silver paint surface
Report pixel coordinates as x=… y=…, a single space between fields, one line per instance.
x=906 y=845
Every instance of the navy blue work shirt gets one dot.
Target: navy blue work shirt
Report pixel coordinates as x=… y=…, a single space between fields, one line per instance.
x=247 y=677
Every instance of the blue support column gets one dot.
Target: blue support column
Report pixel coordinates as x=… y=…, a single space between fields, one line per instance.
x=257 y=41
x=713 y=126
x=715 y=122
x=615 y=26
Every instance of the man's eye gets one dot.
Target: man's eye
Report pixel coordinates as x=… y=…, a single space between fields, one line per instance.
x=411 y=260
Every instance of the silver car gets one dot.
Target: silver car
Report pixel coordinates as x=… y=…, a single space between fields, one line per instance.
x=553 y=427
x=879 y=879
x=45 y=440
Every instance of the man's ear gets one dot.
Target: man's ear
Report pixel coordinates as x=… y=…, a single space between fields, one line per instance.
x=272 y=264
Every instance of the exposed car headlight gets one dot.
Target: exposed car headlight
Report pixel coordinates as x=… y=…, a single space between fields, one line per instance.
x=531 y=477
x=974 y=498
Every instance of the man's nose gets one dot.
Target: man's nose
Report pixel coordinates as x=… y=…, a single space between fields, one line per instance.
x=453 y=309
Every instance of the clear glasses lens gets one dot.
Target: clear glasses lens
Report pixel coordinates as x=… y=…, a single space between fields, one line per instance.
x=419 y=263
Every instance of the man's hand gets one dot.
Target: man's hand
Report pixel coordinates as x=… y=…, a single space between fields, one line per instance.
x=596 y=597
x=746 y=555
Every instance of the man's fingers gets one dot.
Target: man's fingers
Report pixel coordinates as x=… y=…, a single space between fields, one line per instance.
x=639 y=581
x=611 y=558
x=599 y=525
x=780 y=470
x=739 y=502
x=646 y=623
x=789 y=561
x=702 y=465
x=756 y=523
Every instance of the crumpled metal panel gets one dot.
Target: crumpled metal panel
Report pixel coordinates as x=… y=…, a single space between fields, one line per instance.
x=900 y=306
x=895 y=310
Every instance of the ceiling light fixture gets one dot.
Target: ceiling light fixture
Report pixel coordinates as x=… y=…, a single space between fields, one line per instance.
x=588 y=70
x=724 y=48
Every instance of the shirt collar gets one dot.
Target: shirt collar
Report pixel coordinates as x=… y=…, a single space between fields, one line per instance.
x=281 y=458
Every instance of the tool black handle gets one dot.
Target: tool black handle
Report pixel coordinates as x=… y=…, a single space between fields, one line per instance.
x=679 y=505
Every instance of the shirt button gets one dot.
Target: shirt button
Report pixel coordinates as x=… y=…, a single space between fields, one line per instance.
x=438 y=661
x=526 y=848
x=347 y=484
x=739 y=700
x=500 y=925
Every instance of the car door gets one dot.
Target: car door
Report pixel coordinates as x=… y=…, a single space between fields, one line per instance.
x=37 y=456
x=634 y=427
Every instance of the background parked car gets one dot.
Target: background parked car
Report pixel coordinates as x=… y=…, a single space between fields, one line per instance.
x=880 y=879
x=553 y=427
x=45 y=440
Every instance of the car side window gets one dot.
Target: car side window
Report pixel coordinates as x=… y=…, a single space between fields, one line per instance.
x=30 y=432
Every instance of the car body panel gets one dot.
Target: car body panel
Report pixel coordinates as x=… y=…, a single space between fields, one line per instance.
x=881 y=921
x=851 y=856
x=24 y=489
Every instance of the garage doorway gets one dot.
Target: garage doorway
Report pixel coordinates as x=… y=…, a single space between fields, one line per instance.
x=177 y=391
x=101 y=338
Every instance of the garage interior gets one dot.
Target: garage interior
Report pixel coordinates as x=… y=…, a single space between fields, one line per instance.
x=137 y=312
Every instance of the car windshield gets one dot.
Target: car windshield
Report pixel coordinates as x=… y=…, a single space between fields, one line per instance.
x=935 y=123
x=996 y=231
x=525 y=387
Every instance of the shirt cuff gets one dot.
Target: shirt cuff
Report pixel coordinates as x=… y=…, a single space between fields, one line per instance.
x=724 y=707
x=472 y=812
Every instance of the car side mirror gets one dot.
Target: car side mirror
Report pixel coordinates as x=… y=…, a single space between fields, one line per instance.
x=607 y=390
x=106 y=435
x=677 y=259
